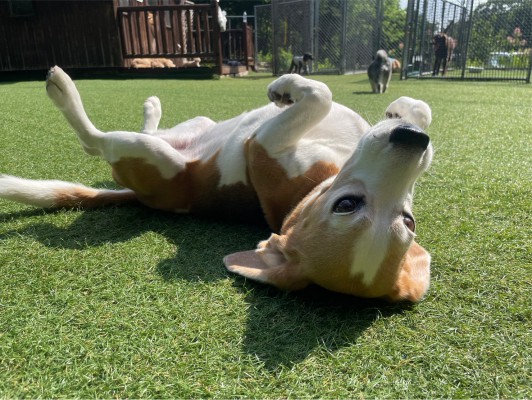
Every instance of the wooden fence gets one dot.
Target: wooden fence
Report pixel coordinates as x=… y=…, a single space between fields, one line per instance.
x=176 y=32
x=102 y=35
x=72 y=34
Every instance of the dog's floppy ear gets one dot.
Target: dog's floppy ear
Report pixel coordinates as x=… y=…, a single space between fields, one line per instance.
x=414 y=277
x=270 y=263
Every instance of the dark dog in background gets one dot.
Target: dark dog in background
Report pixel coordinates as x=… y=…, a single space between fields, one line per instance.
x=380 y=72
x=300 y=63
x=443 y=50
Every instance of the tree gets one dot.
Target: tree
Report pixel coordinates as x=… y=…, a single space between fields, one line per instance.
x=393 y=25
x=501 y=26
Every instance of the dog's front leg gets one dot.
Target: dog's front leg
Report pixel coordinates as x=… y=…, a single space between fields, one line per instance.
x=278 y=189
x=310 y=101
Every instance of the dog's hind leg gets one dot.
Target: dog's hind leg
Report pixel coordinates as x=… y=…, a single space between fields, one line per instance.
x=373 y=86
x=111 y=146
x=143 y=163
x=177 y=134
x=65 y=96
x=292 y=66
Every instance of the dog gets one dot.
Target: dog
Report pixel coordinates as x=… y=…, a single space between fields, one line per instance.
x=336 y=192
x=165 y=63
x=301 y=63
x=152 y=63
x=443 y=46
x=380 y=72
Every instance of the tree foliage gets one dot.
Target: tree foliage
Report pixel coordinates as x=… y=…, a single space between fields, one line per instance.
x=501 y=26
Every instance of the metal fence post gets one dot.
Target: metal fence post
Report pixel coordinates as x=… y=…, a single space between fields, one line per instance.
x=343 y=34
x=529 y=68
x=407 y=39
x=468 y=38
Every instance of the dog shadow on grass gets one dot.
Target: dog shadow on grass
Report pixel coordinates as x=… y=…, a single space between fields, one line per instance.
x=199 y=241
x=285 y=328
x=281 y=328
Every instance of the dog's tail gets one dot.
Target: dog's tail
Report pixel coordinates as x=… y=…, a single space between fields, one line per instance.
x=59 y=194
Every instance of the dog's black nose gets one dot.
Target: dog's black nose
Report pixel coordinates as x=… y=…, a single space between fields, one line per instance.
x=409 y=135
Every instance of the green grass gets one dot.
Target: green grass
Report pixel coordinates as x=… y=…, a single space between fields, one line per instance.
x=131 y=302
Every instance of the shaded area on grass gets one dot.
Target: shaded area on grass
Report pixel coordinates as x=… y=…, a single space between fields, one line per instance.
x=282 y=328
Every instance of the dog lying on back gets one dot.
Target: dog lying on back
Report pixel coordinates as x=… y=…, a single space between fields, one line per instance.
x=336 y=192
x=301 y=63
x=380 y=72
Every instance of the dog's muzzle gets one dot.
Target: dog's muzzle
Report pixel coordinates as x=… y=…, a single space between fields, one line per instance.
x=409 y=135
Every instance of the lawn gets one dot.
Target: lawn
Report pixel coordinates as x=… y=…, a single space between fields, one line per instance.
x=131 y=302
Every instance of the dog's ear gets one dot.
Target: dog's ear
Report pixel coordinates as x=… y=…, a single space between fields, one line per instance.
x=270 y=263
x=414 y=277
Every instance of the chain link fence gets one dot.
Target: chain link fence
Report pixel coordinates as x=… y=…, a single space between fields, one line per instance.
x=342 y=35
x=487 y=39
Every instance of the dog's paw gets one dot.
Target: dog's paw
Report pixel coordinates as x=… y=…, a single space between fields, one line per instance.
x=152 y=108
x=286 y=90
x=280 y=99
x=414 y=111
x=58 y=86
x=152 y=114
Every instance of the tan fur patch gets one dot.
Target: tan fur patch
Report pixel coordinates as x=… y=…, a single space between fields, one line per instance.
x=278 y=193
x=414 y=277
x=195 y=189
x=325 y=257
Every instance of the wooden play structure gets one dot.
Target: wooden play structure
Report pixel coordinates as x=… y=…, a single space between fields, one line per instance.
x=111 y=34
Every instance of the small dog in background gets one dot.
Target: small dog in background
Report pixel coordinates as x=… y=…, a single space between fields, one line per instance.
x=299 y=63
x=380 y=72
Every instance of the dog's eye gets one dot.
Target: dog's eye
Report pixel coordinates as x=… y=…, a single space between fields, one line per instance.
x=409 y=222
x=348 y=204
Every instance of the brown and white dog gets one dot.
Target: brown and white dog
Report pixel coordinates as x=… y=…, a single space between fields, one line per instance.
x=337 y=192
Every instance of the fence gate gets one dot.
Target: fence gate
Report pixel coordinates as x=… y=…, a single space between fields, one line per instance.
x=485 y=39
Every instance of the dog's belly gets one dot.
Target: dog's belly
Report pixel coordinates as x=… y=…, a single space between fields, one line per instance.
x=214 y=178
x=195 y=189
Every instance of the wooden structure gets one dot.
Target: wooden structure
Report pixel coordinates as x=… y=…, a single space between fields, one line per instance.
x=73 y=34
x=108 y=34
x=174 y=32
x=238 y=50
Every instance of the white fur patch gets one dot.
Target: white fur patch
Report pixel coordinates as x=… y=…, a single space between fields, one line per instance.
x=153 y=150
x=332 y=140
x=231 y=161
x=370 y=251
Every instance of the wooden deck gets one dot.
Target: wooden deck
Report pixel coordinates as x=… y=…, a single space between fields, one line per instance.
x=101 y=35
